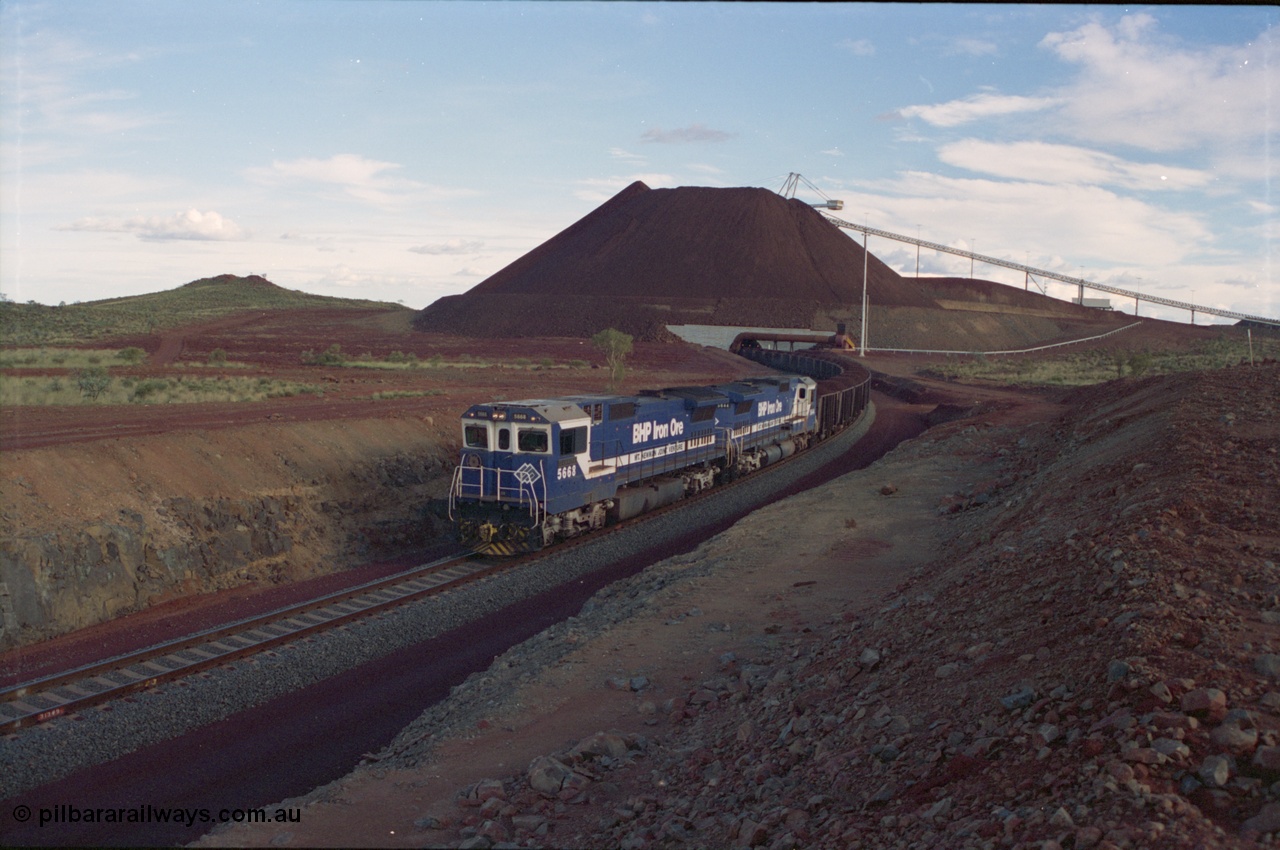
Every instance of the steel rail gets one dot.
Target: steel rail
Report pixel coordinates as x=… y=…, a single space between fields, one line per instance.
x=43 y=699
x=46 y=698
x=1077 y=281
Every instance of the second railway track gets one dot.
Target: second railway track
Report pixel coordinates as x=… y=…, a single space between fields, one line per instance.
x=43 y=699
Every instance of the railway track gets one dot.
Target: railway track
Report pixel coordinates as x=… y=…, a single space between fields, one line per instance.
x=39 y=700
x=43 y=699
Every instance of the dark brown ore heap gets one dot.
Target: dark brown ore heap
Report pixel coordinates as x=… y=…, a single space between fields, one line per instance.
x=649 y=258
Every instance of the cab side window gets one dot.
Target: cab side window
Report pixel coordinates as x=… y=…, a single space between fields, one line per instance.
x=476 y=436
x=573 y=441
x=532 y=440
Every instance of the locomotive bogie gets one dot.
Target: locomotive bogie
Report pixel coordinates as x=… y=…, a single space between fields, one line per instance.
x=697 y=480
x=570 y=524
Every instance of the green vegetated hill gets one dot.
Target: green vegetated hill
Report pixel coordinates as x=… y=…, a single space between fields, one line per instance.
x=200 y=300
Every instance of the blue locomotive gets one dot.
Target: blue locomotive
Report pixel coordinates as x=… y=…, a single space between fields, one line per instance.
x=536 y=471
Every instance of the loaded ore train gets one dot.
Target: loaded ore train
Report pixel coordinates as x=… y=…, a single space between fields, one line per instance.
x=537 y=471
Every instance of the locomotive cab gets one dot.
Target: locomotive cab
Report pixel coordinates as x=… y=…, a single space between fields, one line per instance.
x=516 y=460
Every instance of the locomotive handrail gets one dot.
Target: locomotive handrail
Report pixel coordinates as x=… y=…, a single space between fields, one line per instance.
x=732 y=445
x=540 y=505
x=455 y=489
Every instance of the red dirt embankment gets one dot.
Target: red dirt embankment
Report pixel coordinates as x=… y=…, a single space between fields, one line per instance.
x=1035 y=633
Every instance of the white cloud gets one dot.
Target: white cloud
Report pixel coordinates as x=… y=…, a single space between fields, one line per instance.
x=623 y=155
x=451 y=246
x=972 y=47
x=1051 y=163
x=858 y=47
x=1098 y=225
x=1139 y=88
x=343 y=169
x=320 y=243
x=43 y=95
x=832 y=152
x=190 y=225
x=685 y=135
x=367 y=180
x=985 y=105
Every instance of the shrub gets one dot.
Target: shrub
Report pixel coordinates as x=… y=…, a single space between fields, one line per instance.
x=147 y=388
x=332 y=356
x=218 y=357
x=93 y=382
x=1139 y=364
x=132 y=355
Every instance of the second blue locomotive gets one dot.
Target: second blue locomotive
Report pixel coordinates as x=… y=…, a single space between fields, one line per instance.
x=536 y=471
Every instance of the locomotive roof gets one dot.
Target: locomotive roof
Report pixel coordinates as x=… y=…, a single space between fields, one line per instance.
x=537 y=410
x=695 y=394
x=575 y=407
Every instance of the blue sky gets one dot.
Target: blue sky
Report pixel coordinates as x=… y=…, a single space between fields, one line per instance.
x=407 y=150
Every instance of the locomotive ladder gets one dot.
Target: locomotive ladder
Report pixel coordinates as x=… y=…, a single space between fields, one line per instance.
x=732 y=446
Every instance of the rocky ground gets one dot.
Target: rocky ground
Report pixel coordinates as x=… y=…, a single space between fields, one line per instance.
x=1056 y=634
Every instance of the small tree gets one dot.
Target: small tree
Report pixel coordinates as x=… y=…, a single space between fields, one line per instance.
x=1139 y=363
x=93 y=382
x=616 y=346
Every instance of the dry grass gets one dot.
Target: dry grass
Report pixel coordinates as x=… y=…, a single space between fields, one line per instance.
x=1096 y=366
x=68 y=358
x=71 y=389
